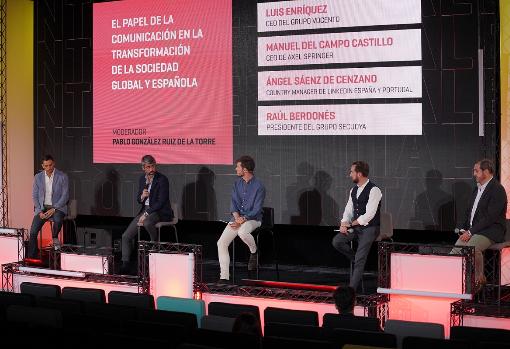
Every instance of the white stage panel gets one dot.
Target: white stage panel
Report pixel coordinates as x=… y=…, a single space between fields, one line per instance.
x=86 y=263
x=171 y=274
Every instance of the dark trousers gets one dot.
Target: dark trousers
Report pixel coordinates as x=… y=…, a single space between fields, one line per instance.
x=365 y=237
x=37 y=224
x=132 y=232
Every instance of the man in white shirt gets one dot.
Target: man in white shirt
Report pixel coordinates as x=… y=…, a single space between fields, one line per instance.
x=50 y=194
x=485 y=219
x=361 y=220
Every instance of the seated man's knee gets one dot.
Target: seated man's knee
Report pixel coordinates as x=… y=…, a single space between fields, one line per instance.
x=148 y=224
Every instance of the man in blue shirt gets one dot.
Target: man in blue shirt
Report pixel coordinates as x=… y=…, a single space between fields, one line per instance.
x=248 y=196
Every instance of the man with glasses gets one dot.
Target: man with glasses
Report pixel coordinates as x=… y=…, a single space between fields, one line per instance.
x=153 y=196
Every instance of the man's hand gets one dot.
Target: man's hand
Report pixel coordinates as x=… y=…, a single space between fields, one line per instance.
x=465 y=236
x=240 y=220
x=344 y=226
x=50 y=213
x=42 y=215
x=145 y=194
x=234 y=225
x=141 y=219
x=355 y=223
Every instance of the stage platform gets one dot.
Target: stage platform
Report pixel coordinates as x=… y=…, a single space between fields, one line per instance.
x=168 y=269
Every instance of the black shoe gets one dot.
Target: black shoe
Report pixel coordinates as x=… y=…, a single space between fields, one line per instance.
x=252 y=263
x=223 y=281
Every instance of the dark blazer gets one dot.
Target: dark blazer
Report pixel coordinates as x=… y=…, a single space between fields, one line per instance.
x=159 y=197
x=490 y=215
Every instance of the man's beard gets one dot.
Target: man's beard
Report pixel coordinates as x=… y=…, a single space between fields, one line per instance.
x=355 y=181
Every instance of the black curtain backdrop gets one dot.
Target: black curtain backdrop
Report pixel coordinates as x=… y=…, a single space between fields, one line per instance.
x=425 y=179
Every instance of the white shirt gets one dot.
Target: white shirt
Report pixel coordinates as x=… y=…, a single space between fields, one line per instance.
x=48 y=191
x=374 y=197
x=481 y=189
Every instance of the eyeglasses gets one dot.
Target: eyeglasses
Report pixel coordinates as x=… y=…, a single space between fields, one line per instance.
x=147 y=166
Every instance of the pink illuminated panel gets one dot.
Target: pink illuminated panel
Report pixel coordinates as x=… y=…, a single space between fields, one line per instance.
x=421 y=309
x=85 y=263
x=426 y=273
x=162 y=81
x=171 y=274
x=8 y=249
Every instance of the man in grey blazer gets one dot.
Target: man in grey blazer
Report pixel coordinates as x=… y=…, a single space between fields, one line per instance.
x=50 y=194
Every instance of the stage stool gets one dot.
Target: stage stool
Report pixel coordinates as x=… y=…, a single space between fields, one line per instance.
x=225 y=340
x=288 y=316
x=341 y=337
x=173 y=224
x=426 y=343
x=270 y=342
x=266 y=227
x=40 y=290
x=138 y=300
x=189 y=321
x=402 y=329
x=41 y=238
x=84 y=294
x=184 y=305
x=34 y=316
x=476 y=335
x=232 y=310
x=360 y=323
x=286 y=330
x=217 y=323
x=70 y=218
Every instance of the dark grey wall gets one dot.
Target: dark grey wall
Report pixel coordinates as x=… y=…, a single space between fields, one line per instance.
x=425 y=179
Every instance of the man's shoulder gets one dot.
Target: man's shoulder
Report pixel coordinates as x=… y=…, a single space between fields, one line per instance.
x=59 y=173
x=159 y=176
x=258 y=181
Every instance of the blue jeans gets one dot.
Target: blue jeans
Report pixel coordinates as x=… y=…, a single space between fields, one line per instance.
x=37 y=224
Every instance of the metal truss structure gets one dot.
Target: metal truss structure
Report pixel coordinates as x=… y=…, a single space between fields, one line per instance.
x=4 y=203
x=375 y=305
x=8 y=271
x=467 y=253
x=493 y=290
x=145 y=248
x=461 y=308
